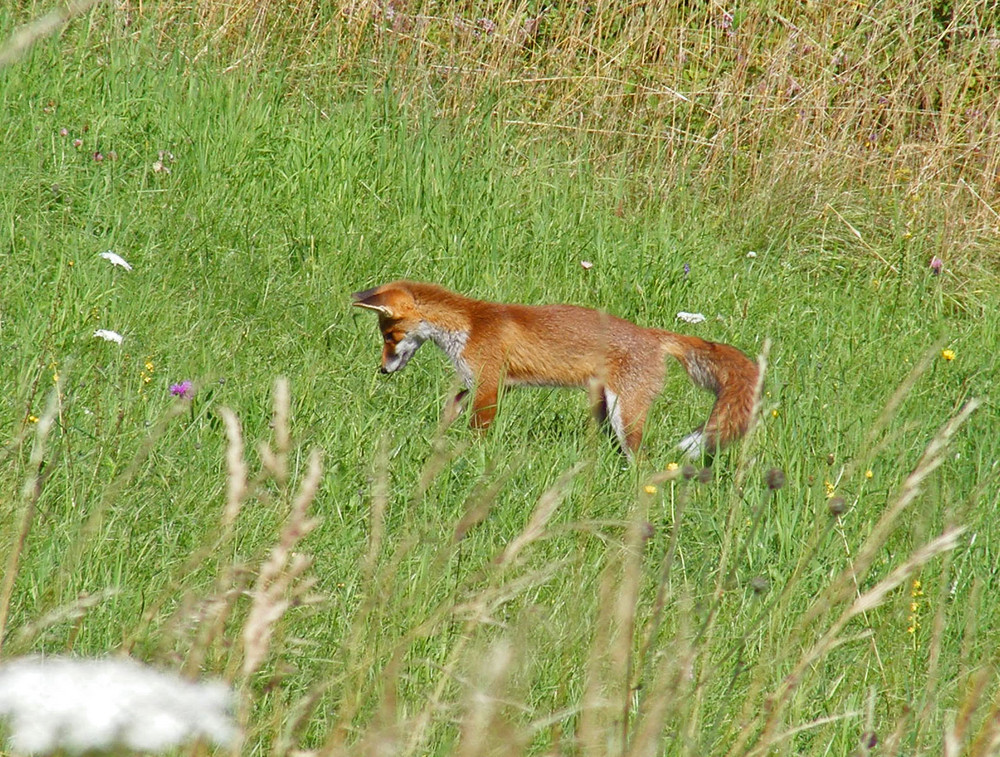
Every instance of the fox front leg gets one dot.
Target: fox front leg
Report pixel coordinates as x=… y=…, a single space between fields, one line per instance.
x=484 y=407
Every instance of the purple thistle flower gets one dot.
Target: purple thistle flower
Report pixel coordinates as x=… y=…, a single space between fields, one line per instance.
x=936 y=265
x=183 y=390
x=687 y=269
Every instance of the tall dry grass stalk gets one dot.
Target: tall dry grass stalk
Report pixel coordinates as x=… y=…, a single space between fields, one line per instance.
x=38 y=29
x=30 y=493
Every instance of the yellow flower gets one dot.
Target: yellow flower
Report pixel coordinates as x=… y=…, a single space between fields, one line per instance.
x=869 y=474
x=649 y=489
x=774 y=413
x=948 y=354
x=149 y=366
x=830 y=488
x=32 y=419
x=672 y=466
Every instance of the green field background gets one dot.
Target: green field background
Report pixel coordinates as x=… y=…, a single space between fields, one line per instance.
x=256 y=173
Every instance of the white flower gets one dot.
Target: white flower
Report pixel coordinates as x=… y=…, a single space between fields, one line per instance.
x=80 y=705
x=691 y=317
x=586 y=264
x=116 y=259
x=751 y=254
x=109 y=336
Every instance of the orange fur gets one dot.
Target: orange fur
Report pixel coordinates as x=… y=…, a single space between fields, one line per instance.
x=563 y=345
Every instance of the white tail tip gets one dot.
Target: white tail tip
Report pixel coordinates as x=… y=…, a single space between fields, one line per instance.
x=693 y=445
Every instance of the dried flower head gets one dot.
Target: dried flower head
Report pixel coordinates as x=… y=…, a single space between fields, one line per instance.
x=85 y=705
x=775 y=478
x=837 y=506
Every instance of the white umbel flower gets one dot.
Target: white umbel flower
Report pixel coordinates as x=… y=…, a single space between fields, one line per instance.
x=691 y=317
x=109 y=336
x=87 y=705
x=115 y=259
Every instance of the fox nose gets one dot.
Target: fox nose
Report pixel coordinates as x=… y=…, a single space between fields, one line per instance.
x=382 y=369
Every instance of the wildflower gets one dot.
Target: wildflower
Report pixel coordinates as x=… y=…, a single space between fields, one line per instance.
x=672 y=467
x=64 y=132
x=61 y=704
x=586 y=265
x=32 y=419
x=691 y=317
x=98 y=157
x=115 y=259
x=109 y=336
x=936 y=265
x=687 y=269
x=830 y=488
x=913 y=619
x=948 y=355
x=774 y=413
x=160 y=166
x=184 y=390
x=869 y=474
x=751 y=254
x=78 y=143
x=649 y=489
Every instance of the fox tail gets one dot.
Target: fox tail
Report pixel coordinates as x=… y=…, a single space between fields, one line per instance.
x=726 y=372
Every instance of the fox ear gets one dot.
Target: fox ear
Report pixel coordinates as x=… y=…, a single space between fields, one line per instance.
x=371 y=299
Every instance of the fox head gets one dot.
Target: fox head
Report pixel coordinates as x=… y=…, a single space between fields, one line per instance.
x=398 y=320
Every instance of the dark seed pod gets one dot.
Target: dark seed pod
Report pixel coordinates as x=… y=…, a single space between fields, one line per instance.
x=775 y=478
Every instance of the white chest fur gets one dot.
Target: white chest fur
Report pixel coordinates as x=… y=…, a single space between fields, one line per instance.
x=453 y=344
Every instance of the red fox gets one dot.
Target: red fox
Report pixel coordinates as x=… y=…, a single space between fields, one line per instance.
x=622 y=364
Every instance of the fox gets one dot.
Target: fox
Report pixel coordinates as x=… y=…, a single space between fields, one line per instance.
x=623 y=365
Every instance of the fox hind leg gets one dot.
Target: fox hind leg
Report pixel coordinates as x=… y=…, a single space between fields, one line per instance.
x=626 y=418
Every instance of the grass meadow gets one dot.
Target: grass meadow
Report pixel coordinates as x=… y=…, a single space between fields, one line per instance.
x=371 y=582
